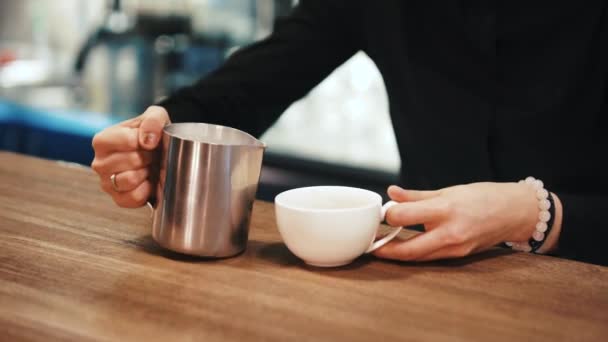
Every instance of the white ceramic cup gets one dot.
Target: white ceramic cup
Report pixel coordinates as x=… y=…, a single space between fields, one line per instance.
x=330 y=226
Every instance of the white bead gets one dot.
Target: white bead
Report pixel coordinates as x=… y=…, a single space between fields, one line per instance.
x=510 y=244
x=538 y=236
x=541 y=227
x=530 y=180
x=538 y=184
x=521 y=181
x=544 y=216
x=544 y=204
x=522 y=247
x=517 y=247
x=542 y=194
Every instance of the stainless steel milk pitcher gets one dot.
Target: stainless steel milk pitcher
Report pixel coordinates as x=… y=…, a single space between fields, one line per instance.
x=207 y=184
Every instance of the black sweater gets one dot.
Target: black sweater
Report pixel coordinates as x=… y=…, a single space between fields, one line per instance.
x=478 y=91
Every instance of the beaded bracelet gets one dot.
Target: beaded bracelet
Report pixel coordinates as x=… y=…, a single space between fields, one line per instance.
x=546 y=217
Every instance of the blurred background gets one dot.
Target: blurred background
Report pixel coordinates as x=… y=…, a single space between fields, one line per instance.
x=70 y=68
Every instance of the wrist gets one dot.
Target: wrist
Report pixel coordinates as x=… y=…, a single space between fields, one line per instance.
x=544 y=222
x=525 y=217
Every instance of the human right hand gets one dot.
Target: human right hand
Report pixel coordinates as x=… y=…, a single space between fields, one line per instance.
x=465 y=219
x=129 y=151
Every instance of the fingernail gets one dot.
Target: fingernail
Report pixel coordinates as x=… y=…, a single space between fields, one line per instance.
x=397 y=188
x=149 y=139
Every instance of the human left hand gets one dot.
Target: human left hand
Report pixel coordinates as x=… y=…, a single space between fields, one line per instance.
x=460 y=220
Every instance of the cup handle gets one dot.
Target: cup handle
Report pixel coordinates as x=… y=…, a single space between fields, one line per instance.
x=377 y=244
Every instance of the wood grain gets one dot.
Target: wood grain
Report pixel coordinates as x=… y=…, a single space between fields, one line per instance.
x=75 y=267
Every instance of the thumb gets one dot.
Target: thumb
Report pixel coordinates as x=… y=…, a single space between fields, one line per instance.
x=153 y=120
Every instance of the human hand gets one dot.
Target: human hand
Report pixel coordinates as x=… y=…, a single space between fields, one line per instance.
x=460 y=220
x=128 y=150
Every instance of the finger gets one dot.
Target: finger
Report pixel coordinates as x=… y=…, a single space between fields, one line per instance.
x=125 y=181
x=115 y=139
x=123 y=161
x=420 y=212
x=415 y=247
x=399 y=194
x=153 y=121
x=133 y=122
x=450 y=252
x=135 y=198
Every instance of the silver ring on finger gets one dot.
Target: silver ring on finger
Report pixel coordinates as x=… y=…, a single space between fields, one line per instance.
x=113 y=181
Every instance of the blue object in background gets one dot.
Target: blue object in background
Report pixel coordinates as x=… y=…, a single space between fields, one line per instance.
x=53 y=134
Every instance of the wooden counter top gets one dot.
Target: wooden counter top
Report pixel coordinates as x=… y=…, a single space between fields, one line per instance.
x=73 y=266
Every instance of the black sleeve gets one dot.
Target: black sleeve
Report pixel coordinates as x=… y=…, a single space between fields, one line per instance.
x=584 y=233
x=257 y=83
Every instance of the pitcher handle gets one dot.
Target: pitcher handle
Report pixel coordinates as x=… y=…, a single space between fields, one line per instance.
x=151 y=206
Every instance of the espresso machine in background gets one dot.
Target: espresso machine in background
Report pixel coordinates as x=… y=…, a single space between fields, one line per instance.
x=133 y=60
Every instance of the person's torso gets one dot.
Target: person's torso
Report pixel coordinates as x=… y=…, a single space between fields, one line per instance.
x=481 y=91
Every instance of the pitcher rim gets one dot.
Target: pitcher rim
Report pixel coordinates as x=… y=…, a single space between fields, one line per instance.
x=258 y=142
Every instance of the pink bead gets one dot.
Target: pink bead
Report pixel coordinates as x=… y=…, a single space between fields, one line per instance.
x=522 y=247
x=542 y=194
x=538 y=236
x=541 y=227
x=544 y=216
x=544 y=204
x=517 y=247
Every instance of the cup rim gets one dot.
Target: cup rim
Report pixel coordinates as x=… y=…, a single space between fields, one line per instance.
x=278 y=200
